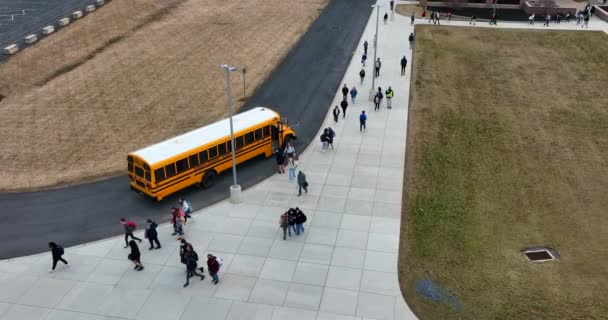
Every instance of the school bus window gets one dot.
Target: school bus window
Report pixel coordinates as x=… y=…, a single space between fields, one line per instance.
x=129 y=158
x=258 y=134
x=139 y=172
x=221 y=149
x=148 y=176
x=170 y=169
x=146 y=166
x=249 y=138
x=203 y=156
x=229 y=146
x=130 y=165
x=193 y=161
x=239 y=142
x=266 y=131
x=159 y=175
x=212 y=152
x=182 y=165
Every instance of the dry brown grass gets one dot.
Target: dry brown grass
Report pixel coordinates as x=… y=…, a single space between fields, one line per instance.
x=129 y=75
x=507 y=148
x=407 y=9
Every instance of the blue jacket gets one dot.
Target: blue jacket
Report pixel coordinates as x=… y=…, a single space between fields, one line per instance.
x=363 y=117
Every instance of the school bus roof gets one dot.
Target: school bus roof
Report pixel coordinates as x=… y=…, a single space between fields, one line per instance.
x=207 y=134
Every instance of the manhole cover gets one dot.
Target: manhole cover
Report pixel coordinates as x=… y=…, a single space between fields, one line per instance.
x=540 y=254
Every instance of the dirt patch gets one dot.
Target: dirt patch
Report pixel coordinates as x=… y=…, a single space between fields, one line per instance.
x=407 y=9
x=129 y=75
x=507 y=148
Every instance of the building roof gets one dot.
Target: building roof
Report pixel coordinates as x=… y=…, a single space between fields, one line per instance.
x=207 y=134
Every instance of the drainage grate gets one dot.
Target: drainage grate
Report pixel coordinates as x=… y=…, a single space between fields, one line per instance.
x=540 y=254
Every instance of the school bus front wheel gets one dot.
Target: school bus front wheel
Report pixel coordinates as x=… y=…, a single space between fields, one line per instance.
x=208 y=179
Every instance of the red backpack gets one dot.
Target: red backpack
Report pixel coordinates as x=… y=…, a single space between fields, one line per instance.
x=131 y=225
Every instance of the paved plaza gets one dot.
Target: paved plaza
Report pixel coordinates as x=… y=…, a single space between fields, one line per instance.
x=344 y=266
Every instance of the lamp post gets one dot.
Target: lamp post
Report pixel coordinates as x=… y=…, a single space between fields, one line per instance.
x=235 y=189
x=372 y=90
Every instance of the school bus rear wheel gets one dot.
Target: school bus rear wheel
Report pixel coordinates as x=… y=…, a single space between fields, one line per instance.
x=208 y=179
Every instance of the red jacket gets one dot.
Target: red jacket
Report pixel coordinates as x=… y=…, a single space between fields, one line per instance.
x=213 y=266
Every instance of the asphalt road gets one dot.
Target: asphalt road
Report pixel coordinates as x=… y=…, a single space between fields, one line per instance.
x=301 y=88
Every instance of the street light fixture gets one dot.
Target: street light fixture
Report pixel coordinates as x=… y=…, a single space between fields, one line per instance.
x=235 y=189
x=372 y=90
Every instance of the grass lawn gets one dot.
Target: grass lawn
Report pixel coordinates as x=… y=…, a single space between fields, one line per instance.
x=507 y=148
x=131 y=74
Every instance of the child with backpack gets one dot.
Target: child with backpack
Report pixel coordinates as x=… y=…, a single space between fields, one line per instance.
x=57 y=253
x=191 y=259
x=186 y=208
x=129 y=226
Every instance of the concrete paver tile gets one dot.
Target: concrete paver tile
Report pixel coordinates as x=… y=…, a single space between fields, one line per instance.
x=388 y=196
x=310 y=273
x=164 y=305
x=209 y=308
x=340 y=179
x=344 y=278
x=366 y=194
x=315 y=253
x=281 y=199
x=359 y=207
x=12 y=287
x=246 y=265
x=348 y=257
x=21 y=312
x=286 y=250
x=383 y=242
x=333 y=316
x=4 y=307
x=355 y=222
x=387 y=210
x=263 y=229
x=244 y=210
x=352 y=239
x=380 y=261
x=339 y=301
x=250 y=311
x=235 y=287
x=331 y=204
x=326 y=219
x=386 y=283
x=254 y=246
x=124 y=302
x=281 y=313
x=46 y=292
x=318 y=235
x=85 y=297
x=71 y=315
x=376 y=306
x=270 y=292
x=385 y=225
x=276 y=269
x=225 y=243
x=303 y=296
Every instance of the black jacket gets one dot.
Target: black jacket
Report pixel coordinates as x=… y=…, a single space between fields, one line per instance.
x=135 y=252
x=151 y=231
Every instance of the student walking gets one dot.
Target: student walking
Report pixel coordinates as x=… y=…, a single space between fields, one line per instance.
x=411 y=40
x=280 y=156
x=302 y=183
x=547 y=20
x=389 y=97
x=57 y=252
x=363 y=59
x=330 y=137
x=531 y=18
x=135 y=256
x=365 y=47
x=284 y=224
x=392 y=4
x=336 y=113
x=493 y=18
x=300 y=220
x=362 y=75
x=362 y=120
x=473 y=20
x=413 y=18
x=177 y=221
x=344 y=105
x=585 y=21
x=213 y=267
x=377 y=66
x=376 y=102
x=186 y=208
x=437 y=15
x=385 y=18
x=324 y=140
x=344 y=92
x=353 y=94
x=403 y=65
x=191 y=264
x=292 y=164
x=152 y=234
x=129 y=226
x=568 y=16
x=380 y=96
x=291 y=216
x=578 y=17
x=449 y=16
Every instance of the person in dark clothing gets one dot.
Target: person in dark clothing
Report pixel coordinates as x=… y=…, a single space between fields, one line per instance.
x=365 y=47
x=385 y=17
x=363 y=59
x=135 y=256
x=300 y=220
x=152 y=234
x=191 y=264
x=377 y=66
x=344 y=105
x=129 y=226
x=281 y=161
x=362 y=120
x=336 y=113
x=345 y=92
x=392 y=4
x=57 y=253
x=291 y=214
x=411 y=40
x=362 y=75
x=302 y=183
x=376 y=102
x=214 y=267
x=403 y=65
x=330 y=136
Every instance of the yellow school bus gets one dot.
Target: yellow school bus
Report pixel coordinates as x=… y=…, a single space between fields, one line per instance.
x=198 y=156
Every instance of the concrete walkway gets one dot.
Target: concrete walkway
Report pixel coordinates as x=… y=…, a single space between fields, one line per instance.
x=343 y=267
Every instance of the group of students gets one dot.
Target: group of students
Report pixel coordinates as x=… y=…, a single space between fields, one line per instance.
x=189 y=257
x=287 y=155
x=292 y=219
